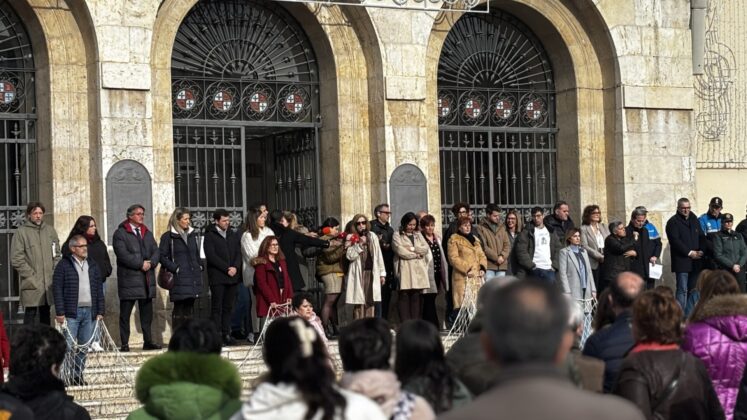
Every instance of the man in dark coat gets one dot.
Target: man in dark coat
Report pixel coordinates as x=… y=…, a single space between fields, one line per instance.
x=288 y=240
x=532 y=258
x=559 y=221
x=647 y=250
x=384 y=231
x=527 y=335
x=611 y=344
x=686 y=242
x=137 y=257
x=222 y=247
x=78 y=298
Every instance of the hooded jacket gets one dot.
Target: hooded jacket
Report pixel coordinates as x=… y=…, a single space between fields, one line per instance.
x=283 y=401
x=184 y=385
x=45 y=395
x=34 y=251
x=132 y=282
x=183 y=259
x=717 y=335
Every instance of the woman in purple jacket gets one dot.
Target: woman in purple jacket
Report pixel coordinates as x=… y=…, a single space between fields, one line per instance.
x=717 y=334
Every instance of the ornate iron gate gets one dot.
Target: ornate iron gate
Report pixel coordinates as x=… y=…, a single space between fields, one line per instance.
x=496 y=114
x=18 y=175
x=245 y=107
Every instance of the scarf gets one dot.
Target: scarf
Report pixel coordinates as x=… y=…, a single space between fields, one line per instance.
x=470 y=237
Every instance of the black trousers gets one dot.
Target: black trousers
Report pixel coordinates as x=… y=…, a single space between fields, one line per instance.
x=30 y=318
x=428 y=303
x=183 y=311
x=222 y=299
x=146 y=318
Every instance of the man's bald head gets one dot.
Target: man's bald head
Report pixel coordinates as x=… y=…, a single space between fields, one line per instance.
x=626 y=287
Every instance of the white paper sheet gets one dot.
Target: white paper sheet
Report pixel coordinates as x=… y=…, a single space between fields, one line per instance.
x=655 y=271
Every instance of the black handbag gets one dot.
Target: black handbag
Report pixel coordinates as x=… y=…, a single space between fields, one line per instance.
x=166 y=278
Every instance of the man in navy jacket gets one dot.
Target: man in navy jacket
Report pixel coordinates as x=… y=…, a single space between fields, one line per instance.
x=686 y=246
x=78 y=299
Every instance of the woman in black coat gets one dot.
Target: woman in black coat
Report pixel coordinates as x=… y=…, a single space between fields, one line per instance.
x=97 y=250
x=180 y=254
x=619 y=251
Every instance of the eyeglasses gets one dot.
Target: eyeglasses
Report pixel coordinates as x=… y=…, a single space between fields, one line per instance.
x=685 y=208
x=80 y=246
x=385 y=212
x=274 y=245
x=361 y=223
x=138 y=214
x=596 y=212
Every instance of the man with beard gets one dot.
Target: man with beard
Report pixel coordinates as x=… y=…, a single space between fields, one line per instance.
x=34 y=252
x=384 y=233
x=366 y=272
x=647 y=252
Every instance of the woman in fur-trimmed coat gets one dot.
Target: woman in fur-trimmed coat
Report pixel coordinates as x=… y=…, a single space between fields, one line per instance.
x=717 y=335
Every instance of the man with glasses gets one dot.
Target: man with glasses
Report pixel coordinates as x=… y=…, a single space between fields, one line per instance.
x=384 y=232
x=137 y=257
x=79 y=299
x=34 y=251
x=686 y=240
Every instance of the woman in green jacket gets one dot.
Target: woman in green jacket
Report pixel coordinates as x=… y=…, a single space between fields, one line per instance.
x=191 y=380
x=330 y=272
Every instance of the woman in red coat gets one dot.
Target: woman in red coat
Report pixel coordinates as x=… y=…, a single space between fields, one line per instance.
x=272 y=285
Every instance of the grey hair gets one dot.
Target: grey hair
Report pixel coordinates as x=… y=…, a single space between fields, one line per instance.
x=490 y=287
x=614 y=225
x=134 y=207
x=74 y=241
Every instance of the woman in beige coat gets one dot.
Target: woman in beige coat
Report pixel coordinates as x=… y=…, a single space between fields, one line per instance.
x=410 y=250
x=466 y=258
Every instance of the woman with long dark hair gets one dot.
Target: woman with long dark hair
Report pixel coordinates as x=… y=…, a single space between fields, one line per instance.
x=437 y=265
x=410 y=249
x=593 y=235
x=97 y=251
x=421 y=367
x=180 y=254
x=300 y=383
x=255 y=231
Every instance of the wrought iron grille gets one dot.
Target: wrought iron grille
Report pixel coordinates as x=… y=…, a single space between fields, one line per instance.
x=18 y=165
x=496 y=114
x=245 y=106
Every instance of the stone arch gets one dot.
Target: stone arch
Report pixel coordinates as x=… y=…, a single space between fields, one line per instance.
x=583 y=59
x=344 y=85
x=63 y=49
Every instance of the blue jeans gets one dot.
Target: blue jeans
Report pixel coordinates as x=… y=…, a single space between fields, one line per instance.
x=685 y=283
x=241 y=319
x=547 y=275
x=81 y=329
x=490 y=274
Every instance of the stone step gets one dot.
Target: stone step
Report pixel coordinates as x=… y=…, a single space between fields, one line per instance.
x=110 y=408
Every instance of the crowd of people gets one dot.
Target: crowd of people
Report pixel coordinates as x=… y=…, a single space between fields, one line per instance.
x=677 y=354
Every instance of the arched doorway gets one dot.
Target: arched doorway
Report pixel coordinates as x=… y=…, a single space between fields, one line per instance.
x=18 y=152
x=245 y=111
x=496 y=115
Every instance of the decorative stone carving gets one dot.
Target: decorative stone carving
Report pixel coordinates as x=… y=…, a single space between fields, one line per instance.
x=127 y=183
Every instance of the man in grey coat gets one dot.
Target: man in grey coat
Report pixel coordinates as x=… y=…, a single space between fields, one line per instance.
x=526 y=334
x=34 y=251
x=137 y=257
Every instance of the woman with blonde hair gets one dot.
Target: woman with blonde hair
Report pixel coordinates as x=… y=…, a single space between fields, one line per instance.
x=180 y=255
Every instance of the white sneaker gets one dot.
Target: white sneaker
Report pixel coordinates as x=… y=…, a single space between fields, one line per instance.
x=95 y=346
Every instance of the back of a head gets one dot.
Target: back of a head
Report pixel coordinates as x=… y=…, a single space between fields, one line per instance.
x=295 y=355
x=626 y=287
x=196 y=336
x=490 y=287
x=526 y=322
x=36 y=348
x=657 y=318
x=365 y=344
x=713 y=283
x=418 y=346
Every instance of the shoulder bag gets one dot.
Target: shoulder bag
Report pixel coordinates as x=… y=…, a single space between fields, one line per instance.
x=166 y=277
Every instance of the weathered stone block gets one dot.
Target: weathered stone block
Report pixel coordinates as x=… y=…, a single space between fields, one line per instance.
x=125 y=76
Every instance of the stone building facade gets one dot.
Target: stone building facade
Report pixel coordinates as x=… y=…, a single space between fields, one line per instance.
x=609 y=117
